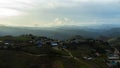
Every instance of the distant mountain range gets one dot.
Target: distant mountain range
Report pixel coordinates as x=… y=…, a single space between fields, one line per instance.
x=63 y=32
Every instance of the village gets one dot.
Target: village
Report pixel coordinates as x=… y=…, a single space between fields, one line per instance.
x=29 y=43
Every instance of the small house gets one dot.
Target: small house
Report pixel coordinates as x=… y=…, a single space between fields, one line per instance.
x=64 y=46
x=97 y=54
x=5 y=47
x=39 y=43
x=54 y=44
x=87 y=58
x=1 y=41
x=113 y=57
x=6 y=43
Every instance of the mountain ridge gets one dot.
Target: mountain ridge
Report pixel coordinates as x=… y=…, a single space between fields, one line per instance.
x=60 y=32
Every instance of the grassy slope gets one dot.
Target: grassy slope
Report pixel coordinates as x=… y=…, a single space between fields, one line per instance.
x=13 y=59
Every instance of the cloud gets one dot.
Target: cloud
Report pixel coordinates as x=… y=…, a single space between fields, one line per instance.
x=59 y=12
x=58 y=22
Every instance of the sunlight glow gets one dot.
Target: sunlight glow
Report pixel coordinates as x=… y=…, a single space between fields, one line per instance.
x=10 y=8
x=8 y=12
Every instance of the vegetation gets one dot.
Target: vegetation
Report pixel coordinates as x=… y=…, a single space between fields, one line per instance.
x=29 y=55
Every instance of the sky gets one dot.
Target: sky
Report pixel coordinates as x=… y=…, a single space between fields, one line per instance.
x=52 y=13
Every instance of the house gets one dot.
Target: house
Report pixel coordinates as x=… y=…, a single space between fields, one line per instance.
x=1 y=41
x=6 y=43
x=113 y=57
x=31 y=41
x=5 y=47
x=54 y=44
x=64 y=46
x=113 y=60
x=112 y=63
x=39 y=43
x=97 y=54
x=76 y=41
x=87 y=58
x=116 y=51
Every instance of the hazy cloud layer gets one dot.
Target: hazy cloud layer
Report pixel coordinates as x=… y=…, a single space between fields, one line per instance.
x=45 y=13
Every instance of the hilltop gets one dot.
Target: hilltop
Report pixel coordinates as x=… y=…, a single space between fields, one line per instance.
x=29 y=51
